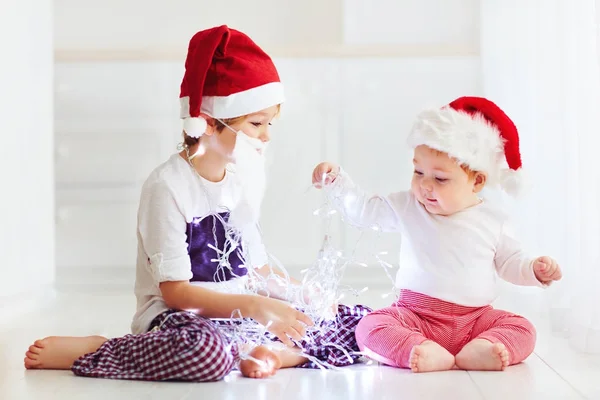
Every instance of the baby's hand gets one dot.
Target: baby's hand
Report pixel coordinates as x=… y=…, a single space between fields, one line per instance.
x=546 y=270
x=324 y=174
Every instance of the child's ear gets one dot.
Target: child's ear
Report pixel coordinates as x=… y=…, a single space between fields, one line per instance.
x=480 y=181
x=210 y=124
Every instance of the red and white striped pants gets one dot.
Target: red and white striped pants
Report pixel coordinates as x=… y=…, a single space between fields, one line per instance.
x=388 y=335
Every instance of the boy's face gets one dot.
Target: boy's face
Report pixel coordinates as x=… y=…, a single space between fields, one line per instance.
x=255 y=126
x=441 y=185
x=246 y=150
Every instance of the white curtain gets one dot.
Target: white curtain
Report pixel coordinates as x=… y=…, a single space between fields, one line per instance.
x=540 y=63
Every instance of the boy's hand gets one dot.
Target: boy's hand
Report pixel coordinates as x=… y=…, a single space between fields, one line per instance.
x=546 y=270
x=281 y=319
x=324 y=174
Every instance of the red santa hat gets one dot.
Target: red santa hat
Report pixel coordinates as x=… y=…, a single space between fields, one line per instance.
x=478 y=134
x=226 y=76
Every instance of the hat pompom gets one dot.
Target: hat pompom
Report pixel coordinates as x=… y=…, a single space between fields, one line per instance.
x=513 y=182
x=194 y=127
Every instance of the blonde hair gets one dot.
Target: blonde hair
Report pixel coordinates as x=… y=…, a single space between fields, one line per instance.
x=219 y=126
x=470 y=173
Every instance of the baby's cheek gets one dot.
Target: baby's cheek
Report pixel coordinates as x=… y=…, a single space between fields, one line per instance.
x=450 y=202
x=413 y=188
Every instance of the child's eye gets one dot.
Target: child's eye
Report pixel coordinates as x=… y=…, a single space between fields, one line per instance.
x=441 y=180
x=419 y=173
x=256 y=124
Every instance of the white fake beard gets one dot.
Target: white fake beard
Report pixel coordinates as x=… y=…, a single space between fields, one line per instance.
x=250 y=174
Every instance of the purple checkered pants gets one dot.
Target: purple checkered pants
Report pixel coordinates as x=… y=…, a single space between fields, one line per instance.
x=192 y=348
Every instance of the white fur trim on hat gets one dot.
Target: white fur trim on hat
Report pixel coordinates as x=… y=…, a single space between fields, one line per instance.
x=244 y=103
x=471 y=140
x=238 y=104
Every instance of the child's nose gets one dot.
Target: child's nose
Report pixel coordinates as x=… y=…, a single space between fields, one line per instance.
x=265 y=136
x=426 y=184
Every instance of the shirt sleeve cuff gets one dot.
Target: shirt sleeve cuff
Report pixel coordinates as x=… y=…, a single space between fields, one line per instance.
x=176 y=269
x=340 y=180
x=532 y=279
x=339 y=187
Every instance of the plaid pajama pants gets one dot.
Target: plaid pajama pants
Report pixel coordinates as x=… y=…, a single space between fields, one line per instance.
x=194 y=349
x=388 y=335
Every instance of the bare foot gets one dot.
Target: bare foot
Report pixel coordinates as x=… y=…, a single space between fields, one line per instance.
x=271 y=361
x=430 y=356
x=483 y=355
x=59 y=352
x=268 y=363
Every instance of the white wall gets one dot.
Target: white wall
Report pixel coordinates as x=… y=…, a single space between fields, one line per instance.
x=158 y=25
x=452 y=24
x=26 y=148
x=351 y=99
x=157 y=29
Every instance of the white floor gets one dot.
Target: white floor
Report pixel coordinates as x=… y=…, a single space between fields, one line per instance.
x=555 y=371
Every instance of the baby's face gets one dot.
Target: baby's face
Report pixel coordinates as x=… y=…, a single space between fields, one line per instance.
x=441 y=185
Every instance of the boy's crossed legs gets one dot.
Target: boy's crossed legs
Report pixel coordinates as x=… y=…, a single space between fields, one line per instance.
x=62 y=352
x=189 y=348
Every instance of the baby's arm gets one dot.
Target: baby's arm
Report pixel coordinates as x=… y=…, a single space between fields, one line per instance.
x=360 y=208
x=513 y=264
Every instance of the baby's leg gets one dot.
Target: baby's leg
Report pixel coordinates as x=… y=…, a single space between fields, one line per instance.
x=498 y=339
x=394 y=336
x=60 y=352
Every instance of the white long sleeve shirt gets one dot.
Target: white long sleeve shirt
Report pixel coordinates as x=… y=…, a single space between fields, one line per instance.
x=176 y=228
x=456 y=258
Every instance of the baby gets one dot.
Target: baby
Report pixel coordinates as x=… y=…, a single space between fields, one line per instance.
x=455 y=245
